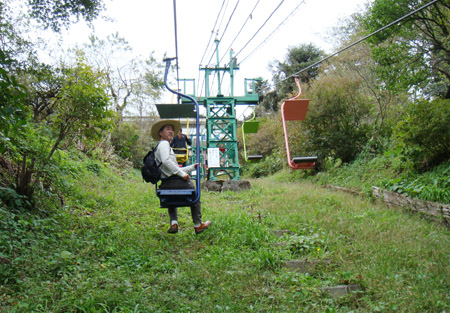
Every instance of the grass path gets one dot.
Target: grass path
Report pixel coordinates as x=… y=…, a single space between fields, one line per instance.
x=120 y=258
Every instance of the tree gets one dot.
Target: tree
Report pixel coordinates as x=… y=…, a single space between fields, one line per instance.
x=15 y=53
x=423 y=133
x=131 y=81
x=12 y=111
x=78 y=107
x=297 y=58
x=413 y=55
x=55 y=14
x=81 y=105
x=385 y=105
x=339 y=119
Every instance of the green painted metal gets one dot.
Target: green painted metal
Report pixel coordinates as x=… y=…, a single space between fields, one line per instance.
x=250 y=127
x=188 y=82
x=221 y=133
x=221 y=121
x=193 y=160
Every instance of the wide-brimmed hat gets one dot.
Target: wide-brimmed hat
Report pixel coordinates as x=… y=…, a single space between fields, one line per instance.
x=163 y=123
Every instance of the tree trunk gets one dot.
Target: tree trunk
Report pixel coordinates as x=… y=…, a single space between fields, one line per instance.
x=23 y=178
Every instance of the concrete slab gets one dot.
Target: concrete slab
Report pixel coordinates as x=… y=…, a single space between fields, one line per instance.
x=340 y=291
x=302 y=266
x=226 y=185
x=279 y=233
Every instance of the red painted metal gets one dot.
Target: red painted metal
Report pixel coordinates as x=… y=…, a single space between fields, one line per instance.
x=294 y=109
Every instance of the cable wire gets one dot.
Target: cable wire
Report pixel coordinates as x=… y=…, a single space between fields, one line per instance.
x=200 y=90
x=176 y=46
x=362 y=39
x=248 y=18
x=260 y=27
x=212 y=31
x=228 y=23
x=215 y=50
x=274 y=31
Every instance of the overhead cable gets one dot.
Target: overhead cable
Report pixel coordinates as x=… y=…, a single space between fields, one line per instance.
x=176 y=45
x=274 y=31
x=248 y=18
x=228 y=23
x=261 y=27
x=212 y=31
x=209 y=41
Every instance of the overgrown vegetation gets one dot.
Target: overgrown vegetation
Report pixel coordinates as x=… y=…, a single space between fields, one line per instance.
x=361 y=122
x=80 y=232
x=107 y=250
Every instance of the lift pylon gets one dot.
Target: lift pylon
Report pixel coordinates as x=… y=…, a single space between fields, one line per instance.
x=221 y=129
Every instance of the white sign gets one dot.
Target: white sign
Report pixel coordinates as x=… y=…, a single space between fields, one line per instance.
x=213 y=157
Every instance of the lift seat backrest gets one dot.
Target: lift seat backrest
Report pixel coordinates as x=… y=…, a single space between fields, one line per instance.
x=250 y=127
x=295 y=110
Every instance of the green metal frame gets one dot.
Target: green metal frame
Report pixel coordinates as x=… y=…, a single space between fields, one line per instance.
x=250 y=127
x=221 y=121
x=222 y=134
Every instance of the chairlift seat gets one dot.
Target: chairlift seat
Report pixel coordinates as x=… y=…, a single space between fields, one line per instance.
x=180 y=197
x=176 y=110
x=310 y=159
x=176 y=197
x=254 y=157
x=304 y=163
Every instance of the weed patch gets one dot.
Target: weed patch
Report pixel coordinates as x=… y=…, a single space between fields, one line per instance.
x=107 y=250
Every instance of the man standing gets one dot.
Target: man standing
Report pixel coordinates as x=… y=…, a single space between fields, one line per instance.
x=173 y=176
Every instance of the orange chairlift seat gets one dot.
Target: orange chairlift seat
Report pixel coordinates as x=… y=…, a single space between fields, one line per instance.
x=250 y=127
x=295 y=109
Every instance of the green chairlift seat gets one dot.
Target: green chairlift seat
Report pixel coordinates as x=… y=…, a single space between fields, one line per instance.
x=250 y=127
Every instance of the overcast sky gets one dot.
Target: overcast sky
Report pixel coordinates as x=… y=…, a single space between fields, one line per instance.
x=148 y=25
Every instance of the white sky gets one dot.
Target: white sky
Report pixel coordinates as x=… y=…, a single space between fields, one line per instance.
x=148 y=25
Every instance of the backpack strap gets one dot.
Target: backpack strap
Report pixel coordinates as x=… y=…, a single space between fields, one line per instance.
x=154 y=151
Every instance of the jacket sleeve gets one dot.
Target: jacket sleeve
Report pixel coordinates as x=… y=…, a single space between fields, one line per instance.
x=189 y=168
x=188 y=140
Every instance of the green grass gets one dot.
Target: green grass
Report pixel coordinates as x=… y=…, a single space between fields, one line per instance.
x=108 y=250
x=385 y=172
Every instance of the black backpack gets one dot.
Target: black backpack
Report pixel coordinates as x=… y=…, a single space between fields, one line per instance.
x=151 y=171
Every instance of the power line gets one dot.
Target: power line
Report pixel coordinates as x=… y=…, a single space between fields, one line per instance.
x=274 y=31
x=261 y=27
x=362 y=39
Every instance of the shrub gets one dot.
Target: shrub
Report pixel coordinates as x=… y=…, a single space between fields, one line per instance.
x=424 y=133
x=131 y=142
x=338 y=121
x=270 y=165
